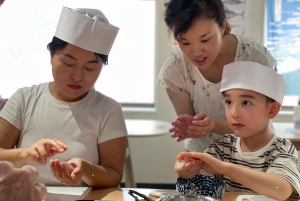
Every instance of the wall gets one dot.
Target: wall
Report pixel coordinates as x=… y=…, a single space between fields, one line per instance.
x=153 y=157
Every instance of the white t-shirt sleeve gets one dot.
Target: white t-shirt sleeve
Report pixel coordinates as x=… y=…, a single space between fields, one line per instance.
x=113 y=126
x=12 y=112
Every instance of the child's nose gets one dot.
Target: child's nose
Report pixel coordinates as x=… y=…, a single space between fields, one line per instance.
x=236 y=112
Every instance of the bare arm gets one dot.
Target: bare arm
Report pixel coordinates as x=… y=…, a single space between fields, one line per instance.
x=9 y=136
x=183 y=105
x=109 y=172
x=181 y=102
x=263 y=183
x=38 y=153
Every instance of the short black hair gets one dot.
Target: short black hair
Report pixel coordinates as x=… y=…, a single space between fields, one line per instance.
x=268 y=99
x=58 y=44
x=180 y=15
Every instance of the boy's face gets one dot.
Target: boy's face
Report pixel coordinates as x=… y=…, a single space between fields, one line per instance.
x=247 y=112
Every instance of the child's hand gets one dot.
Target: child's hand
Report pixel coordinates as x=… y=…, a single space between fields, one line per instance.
x=206 y=162
x=187 y=168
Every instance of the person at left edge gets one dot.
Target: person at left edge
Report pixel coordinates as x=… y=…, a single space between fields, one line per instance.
x=39 y=120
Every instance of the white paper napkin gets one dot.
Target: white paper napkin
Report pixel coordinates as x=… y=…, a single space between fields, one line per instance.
x=64 y=193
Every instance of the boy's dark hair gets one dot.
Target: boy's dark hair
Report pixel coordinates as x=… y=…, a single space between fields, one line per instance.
x=58 y=44
x=269 y=100
x=180 y=15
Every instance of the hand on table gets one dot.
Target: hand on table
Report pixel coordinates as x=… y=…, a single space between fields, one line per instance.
x=43 y=149
x=187 y=126
x=206 y=162
x=20 y=183
x=69 y=172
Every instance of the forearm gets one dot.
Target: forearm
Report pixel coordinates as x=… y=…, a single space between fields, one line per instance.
x=263 y=183
x=221 y=127
x=13 y=156
x=104 y=177
x=181 y=102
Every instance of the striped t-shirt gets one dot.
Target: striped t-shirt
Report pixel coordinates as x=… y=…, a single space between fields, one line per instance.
x=278 y=157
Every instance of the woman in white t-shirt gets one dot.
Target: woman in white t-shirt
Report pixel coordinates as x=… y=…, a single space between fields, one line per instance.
x=192 y=74
x=71 y=133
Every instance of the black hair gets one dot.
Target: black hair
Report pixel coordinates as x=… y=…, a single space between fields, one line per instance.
x=268 y=99
x=180 y=15
x=58 y=44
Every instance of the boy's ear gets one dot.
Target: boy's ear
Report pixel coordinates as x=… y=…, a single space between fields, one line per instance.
x=274 y=108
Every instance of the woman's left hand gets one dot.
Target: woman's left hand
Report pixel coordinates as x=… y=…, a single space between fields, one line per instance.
x=187 y=126
x=69 y=172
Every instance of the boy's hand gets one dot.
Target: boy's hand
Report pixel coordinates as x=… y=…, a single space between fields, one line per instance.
x=206 y=162
x=187 y=168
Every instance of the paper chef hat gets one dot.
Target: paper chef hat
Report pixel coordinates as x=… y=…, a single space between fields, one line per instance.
x=253 y=76
x=90 y=33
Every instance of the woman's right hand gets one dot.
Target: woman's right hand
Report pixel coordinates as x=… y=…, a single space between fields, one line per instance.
x=181 y=125
x=43 y=149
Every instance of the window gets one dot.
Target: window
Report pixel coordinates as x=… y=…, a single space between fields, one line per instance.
x=283 y=41
x=28 y=26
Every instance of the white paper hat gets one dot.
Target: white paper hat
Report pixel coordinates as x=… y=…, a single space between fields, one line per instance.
x=253 y=76
x=86 y=32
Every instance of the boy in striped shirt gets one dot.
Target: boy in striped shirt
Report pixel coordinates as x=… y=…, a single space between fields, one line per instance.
x=252 y=159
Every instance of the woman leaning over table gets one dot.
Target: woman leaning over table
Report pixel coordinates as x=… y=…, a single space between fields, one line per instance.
x=192 y=74
x=67 y=121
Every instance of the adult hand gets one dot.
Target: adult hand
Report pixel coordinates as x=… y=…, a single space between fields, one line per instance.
x=187 y=168
x=43 y=149
x=69 y=172
x=207 y=162
x=20 y=184
x=187 y=126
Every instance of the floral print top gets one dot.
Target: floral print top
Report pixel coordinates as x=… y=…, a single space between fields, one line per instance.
x=179 y=74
